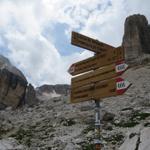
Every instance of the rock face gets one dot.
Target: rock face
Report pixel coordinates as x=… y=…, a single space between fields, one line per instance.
x=12 y=84
x=138 y=142
x=15 y=91
x=30 y=96
x=144 y=139
x=136 y=40
x=60 y=89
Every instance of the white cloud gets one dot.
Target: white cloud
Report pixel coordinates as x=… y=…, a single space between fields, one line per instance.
x=109 y=25
x=29 y=50
x=40 y=60
x=22 y=23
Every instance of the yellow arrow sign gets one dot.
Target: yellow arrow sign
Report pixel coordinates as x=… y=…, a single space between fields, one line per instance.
x=106 y=88
x=89 y=43
x=100 y=74
x=97 y=61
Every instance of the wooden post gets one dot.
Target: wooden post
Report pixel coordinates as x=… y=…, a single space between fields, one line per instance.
x=97 y=140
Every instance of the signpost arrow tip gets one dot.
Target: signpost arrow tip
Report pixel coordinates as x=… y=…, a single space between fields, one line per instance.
x=121 y=67
x=71 y=69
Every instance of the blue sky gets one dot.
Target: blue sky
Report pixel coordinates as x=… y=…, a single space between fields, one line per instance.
x=35 y=34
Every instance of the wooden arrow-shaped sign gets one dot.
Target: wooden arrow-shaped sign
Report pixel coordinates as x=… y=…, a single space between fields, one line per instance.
x=89 y=43
x=97 y=61
x=106 y=88
x=100 y=74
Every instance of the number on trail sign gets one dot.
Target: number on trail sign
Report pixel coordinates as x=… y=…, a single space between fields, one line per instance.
x=102 y=89
x=122 y=85
x=121 y=67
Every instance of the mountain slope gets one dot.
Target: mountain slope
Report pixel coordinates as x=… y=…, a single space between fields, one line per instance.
x=56 y=124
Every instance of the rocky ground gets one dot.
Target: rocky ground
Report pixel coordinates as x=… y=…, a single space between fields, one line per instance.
x=55 y=124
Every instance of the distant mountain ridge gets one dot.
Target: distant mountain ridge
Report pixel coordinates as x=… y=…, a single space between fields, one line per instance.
x=15 y=89
x=59 y=89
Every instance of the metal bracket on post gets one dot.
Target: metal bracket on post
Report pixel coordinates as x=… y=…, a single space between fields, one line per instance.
x=97 y=140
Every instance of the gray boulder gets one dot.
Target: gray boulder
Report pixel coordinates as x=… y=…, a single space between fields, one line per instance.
x=108 y=116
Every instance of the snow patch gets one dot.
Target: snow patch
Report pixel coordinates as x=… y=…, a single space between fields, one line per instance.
x=48 y=96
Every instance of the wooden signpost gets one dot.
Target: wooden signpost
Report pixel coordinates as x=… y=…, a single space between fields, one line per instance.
x=97 y=61
x=98 y=90
x=106 y=72
x=89 y=43
x=98 y=76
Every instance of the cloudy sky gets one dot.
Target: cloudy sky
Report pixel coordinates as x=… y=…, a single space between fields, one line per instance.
x=35 y=34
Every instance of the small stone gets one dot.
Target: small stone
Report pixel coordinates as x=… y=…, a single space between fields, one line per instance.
x=108 y=116
x=90 y=134
x=132 y=135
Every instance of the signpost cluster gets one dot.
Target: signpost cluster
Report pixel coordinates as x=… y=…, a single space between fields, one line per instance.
x=98 y=76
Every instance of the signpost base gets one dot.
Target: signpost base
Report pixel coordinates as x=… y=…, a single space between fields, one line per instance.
x=97 y=141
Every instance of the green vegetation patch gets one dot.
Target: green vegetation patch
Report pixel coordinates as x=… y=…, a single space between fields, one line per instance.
x=127 y=108
x=147 y=124
x=132 y=121
x=127 y=124
x=140 y=116
x=3 y=131
x=88 y=147
x=114 y=139
x=23 y=135
x=88 y=129
x=68 y=122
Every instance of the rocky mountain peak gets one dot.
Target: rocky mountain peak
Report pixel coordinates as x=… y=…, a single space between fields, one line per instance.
x=5 y=64
x=4 y=61
x=12 y=84
x=136 y=39
x=14 y=90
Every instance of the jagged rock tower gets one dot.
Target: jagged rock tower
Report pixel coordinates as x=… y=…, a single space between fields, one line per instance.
x=136 y=39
